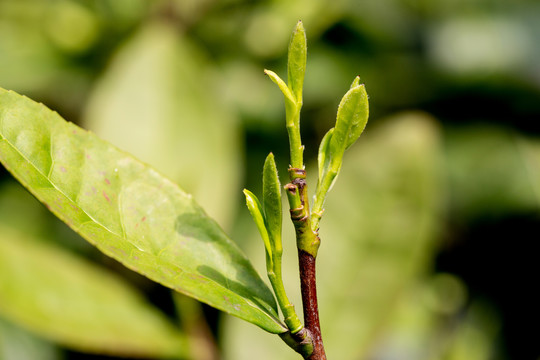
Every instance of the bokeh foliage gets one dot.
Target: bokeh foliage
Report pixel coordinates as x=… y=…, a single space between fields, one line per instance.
x=427 y=248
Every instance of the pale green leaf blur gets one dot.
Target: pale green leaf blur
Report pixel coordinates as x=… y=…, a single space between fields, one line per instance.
x=66 y=299
x=442 y=263
x=16 y=343
x=161 y=88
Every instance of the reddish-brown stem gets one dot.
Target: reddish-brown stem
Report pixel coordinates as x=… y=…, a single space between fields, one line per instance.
x=309 y=301
x=307 y=242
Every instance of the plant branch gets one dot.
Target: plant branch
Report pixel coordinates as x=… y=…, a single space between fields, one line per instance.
x=287 y=308
x=293 y=130
x=308 y=243
x=306 y=239
x=309 y=301
x=308 y=340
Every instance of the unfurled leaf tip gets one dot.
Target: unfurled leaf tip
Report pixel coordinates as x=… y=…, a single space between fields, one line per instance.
x=282 y=86
x=356 y=82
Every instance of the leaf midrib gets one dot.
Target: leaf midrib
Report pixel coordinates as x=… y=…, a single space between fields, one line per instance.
x=56 y=187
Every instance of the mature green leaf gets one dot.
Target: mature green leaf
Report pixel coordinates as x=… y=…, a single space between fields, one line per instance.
x=296 y=66
x=129 y=211
x=272 y=202
x=65 y=299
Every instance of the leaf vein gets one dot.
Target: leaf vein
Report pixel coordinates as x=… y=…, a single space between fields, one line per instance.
x=54 y=185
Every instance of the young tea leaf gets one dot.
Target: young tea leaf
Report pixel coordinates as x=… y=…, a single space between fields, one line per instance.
x=290 y=100
x=272 y=202
x=256 y=210
x=129 y=211
x=324 y=157
x=327 y=178
x=356 y=82
x=296 y=66
x=352 y=118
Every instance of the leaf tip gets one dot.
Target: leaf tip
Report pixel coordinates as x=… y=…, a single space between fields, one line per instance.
x=270 y=157
x=356 y=82
x=251 y=199
x=299 y=26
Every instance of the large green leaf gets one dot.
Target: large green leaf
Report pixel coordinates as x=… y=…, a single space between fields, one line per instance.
x=65 y=299
x=129 y=211
x=377 y=235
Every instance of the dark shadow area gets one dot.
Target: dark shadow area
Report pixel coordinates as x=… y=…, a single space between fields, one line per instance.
x=498 y=260
x=495 y=101
x=232 y=285
x=195 y=226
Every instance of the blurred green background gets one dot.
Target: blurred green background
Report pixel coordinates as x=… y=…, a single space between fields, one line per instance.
x=428 y=239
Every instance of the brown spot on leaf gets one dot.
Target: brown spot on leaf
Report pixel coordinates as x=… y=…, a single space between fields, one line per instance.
x=106 y=197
